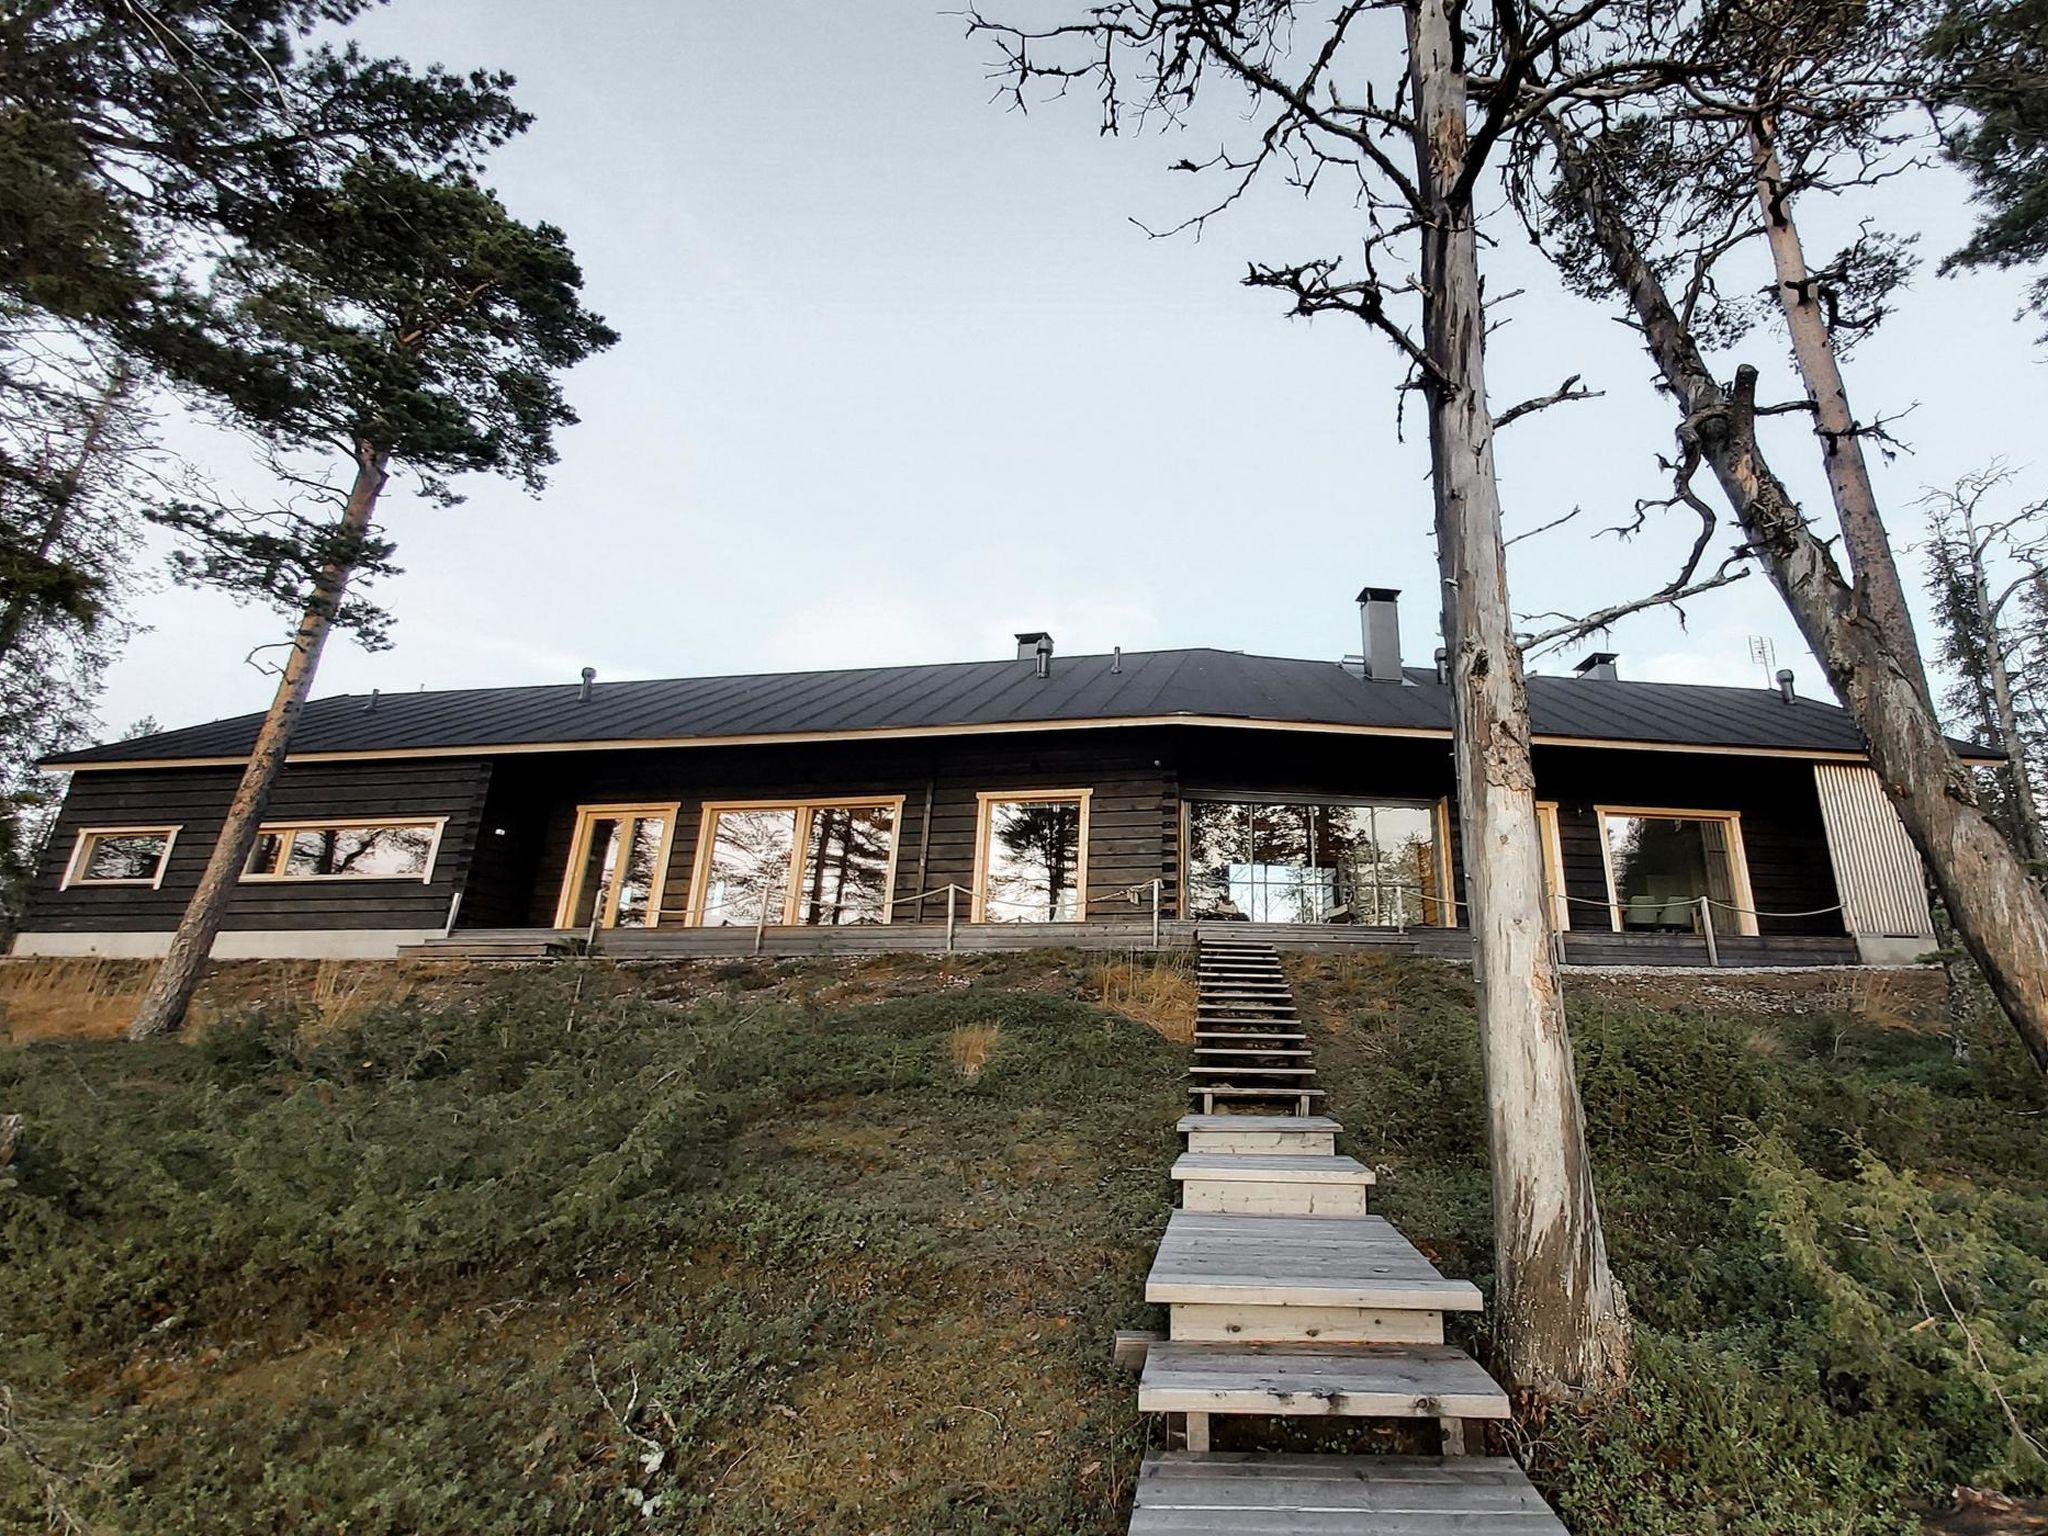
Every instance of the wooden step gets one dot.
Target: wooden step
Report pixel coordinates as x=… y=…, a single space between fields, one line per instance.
x=1182 y=1493
x=1356 y=1381
x=1201 y=1069
x=1335 y=1261
x=1305 y=1135
x=1220 y=1035
x=1209 y=1095
x=1272 y=1184
x=1202 y=1051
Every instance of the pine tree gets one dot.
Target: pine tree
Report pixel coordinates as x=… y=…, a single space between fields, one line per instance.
x=395 y=319
x=1992 y=56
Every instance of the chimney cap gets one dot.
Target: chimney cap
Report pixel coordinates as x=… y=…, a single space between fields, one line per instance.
x=1378 y=594
x=1599 y=666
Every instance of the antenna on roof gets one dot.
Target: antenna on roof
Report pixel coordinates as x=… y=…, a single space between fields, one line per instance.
x=1765 y=655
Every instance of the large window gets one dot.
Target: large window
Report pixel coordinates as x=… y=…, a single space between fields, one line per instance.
x=1031 y=857
x=120 y=856
x=1320 y=862
x=1661 y=863
x=618 y=864
x=344 y=850
x=817 y=864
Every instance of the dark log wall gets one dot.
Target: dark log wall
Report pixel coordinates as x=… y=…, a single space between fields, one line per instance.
x=531 y=818
x=1782 y=833
x=196 y=799
x=511 y=820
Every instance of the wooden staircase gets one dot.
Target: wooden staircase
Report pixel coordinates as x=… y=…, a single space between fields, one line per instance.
x=1285 y=1297
x=1249 y=1048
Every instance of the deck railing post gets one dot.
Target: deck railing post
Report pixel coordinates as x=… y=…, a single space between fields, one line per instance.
x=1707 y=928
x=952 y=892
x=1155 y=913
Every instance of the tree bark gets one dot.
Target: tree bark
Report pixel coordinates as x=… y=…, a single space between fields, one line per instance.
x=170 y=992
x=1559 y=1319
x=2005 y=709
x=1875 y=569
x=1996 y=909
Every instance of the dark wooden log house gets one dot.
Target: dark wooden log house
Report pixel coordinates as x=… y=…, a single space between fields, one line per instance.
x=1040 y=799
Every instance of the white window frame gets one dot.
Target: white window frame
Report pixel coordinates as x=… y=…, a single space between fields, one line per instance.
x=74 y=867
x=805 y=807
x=290 y=829
x=987 y=798
x=1738 y=857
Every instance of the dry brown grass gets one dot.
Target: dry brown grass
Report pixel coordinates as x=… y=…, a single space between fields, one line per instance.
x=1160 y=993
x=93 y=998
x=1879 y=998
x=972 y=1047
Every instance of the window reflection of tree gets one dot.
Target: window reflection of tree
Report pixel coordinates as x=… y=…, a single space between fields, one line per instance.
x=124 y=857
x=846 y=865
x=1312 y=862
x=368 y=851
x=1663 y=865
x=1034 y=859
x=749 y=865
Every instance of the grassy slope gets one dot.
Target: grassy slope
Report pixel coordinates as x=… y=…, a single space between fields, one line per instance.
x=751 y=1243
x=769 y=1261
x=1793 y=1197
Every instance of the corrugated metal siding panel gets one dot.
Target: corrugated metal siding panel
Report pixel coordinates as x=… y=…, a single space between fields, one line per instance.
x=1877 y=869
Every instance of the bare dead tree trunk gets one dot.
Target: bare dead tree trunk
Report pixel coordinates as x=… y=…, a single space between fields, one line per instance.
x=1997 y=911
x=163 y=1007
x=1559 y=1317
x=1871 y=562
x=2005 y=709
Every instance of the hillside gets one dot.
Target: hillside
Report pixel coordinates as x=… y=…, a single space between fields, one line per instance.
x=838 y=1246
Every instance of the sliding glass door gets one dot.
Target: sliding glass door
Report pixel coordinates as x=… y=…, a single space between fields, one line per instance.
x=1370 y=862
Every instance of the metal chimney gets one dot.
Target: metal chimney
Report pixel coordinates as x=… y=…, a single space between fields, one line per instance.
x=1029 y=642
x=589 y=680
x=1785 y=685
x=1599 y=666
x=1379 y=623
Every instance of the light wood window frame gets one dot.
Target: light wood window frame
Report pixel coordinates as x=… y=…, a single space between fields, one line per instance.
x=81 y=855
x=1550 y=835
x=1440 y=824
x=992 y=797
x=805 y=806
x=1738 y=857
x=288 y=830
x=587 y=817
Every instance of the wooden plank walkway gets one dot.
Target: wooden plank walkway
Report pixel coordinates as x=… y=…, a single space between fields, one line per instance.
x=1286 y=1298
x=1180 y=1494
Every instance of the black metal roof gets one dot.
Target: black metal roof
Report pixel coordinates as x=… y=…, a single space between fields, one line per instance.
x=1151 y=685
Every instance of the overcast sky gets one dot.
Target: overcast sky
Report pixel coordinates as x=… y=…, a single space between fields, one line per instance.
x=900 y=376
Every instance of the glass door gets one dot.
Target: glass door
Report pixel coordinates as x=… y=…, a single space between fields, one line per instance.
x=617 y=865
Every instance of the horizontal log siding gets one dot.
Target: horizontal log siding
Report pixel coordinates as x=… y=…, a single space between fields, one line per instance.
x=196 y=800
x=512 y=843
x=1782 y=834
x=535 y=801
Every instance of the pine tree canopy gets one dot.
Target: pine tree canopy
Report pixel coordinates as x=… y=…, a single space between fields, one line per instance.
x=1994 y=60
